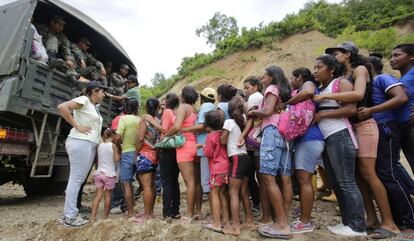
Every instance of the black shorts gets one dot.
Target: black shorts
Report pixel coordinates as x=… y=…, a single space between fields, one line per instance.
x=240 y=166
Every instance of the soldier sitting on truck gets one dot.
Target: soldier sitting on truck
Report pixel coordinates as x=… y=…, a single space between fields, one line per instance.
x=88 y=66
x=58 y=48
x=132 y=92
x=118 y=80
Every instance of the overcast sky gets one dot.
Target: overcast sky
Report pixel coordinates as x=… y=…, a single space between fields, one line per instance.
x=157 y=34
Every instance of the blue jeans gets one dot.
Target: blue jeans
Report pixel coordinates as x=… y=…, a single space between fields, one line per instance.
x=339 y=160
x=127 y=167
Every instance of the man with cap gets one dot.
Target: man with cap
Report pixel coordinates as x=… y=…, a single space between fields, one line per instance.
x=58 y=48
x=132 y=92
x=88 y=66
x=118 y=80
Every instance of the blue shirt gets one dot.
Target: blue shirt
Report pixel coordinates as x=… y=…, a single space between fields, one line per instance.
x=382 y=83
x=224 y=106
x=201 y=137
x=402 y=114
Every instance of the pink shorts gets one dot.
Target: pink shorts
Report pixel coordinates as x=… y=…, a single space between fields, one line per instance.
x=368 y=135
x=186 y=153
x=101 y=180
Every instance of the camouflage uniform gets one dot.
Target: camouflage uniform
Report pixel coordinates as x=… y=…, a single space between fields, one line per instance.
x=118 y=83
x=58 y=47
x=93 y=66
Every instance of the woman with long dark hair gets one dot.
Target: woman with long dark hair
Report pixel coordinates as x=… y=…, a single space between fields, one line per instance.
x=81 y=144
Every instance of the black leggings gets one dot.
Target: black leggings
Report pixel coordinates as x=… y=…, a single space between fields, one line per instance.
x=169 y=176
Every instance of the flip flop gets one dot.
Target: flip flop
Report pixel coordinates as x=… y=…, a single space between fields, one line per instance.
x=407 y=235
x=380 y=233
x=270 y=232
x=138 y=219
x=211 y=227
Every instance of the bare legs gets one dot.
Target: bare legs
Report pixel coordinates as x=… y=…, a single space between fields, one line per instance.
x=187 y=171
x=147 y=182
x=97 y=200
x=307 y=195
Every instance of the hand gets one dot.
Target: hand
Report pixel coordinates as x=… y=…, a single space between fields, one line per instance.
x=70 y=64
x=316 y=118
x=102 y=72
x=318 y=98
x=240 y=142
x=364 y=113
x=148 y=118
x=198 y=146
x=109 y=95
x=251 y=113
x=83 y=129
x=82 y=64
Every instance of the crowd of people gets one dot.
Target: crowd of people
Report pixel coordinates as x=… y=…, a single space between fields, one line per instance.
x=346 y=118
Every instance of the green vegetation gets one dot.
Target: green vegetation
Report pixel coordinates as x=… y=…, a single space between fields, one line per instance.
x=367 y=22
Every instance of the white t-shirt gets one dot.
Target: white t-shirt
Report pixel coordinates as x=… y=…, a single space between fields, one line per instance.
x=88 y=115
x=255 y=99
x=106 y=162
x=234 y=135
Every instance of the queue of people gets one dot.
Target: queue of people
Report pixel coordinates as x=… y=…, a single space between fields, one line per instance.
x=346 y=117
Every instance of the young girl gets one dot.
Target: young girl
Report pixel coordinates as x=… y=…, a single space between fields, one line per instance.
x=240 y=164
x=275 y=159
x=147 y=161
x=340 y=147
x=225 y=93
x=219 y=167
x=308 y=150
x=105 y=175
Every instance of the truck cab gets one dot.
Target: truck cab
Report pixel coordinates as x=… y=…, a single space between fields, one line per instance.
x=32 y=134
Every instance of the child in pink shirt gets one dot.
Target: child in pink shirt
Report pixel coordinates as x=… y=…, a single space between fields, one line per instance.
x=219 y=168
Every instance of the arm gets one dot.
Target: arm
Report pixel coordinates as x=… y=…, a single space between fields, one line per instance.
x=117 y=80
x=179 y=118
x=354 y=95
x=154 y=123
x=195 y=128
x=224 y=137
x=398 y=98
x=116 y=97
x=306 y=93
x=347 y=109
x=208 y=148
x=269 y=106
x=65 y=110
x=117 y=152
x=142 y=129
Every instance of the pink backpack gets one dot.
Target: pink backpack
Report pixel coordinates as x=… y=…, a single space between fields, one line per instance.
x=295 y=121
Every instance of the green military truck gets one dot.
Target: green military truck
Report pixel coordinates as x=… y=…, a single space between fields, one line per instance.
x=32 y=134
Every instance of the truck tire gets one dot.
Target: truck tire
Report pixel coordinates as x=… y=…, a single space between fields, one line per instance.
x=44 y=187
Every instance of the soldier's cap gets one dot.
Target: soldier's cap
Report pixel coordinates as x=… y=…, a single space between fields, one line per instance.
x=94 y=85
x=124 y=66
x=132 y=79
x=347 y=46
x=57 y=18
x=84 y=40
x=209 y=93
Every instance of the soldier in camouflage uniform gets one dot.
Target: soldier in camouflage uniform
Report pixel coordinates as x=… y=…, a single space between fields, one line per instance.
x=58 y=48
x=88 y=66
x=118 y=80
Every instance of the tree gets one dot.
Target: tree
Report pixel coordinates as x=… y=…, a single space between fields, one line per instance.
x=218 y=27
x=158 y=79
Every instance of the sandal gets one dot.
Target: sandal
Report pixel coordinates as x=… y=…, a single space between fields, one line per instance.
x=211 y=227
x=381 y=233
x=270 y=232
x=138 y=219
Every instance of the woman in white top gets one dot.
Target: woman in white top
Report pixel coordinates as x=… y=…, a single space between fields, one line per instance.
x=81 y=144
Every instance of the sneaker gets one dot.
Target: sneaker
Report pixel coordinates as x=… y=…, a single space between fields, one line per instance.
x=61 y=219
x=346 y=231
x=115 y=210
x=300 y=227
x=77 y=221
x=339 y=225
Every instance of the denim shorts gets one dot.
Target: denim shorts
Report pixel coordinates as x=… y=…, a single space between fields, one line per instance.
x=127 y=167
x=275 y=154
x=144 y=165
x=308 y=154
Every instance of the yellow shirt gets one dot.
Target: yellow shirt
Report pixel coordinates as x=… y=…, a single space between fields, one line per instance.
x=128 y=129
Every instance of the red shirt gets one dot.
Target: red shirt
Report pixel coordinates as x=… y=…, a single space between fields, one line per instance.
x=115 y=122
x=216 y=153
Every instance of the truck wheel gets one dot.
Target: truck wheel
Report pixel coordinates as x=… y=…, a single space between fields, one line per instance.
x=43 y=187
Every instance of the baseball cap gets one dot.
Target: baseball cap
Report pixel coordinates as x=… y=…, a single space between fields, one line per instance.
x=347 y=46
x=124 y=66
x=57 y=18
x=132 y=78
x=94 y=85
x=209 y=93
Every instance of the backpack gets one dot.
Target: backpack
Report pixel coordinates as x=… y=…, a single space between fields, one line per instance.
x=296 y=120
